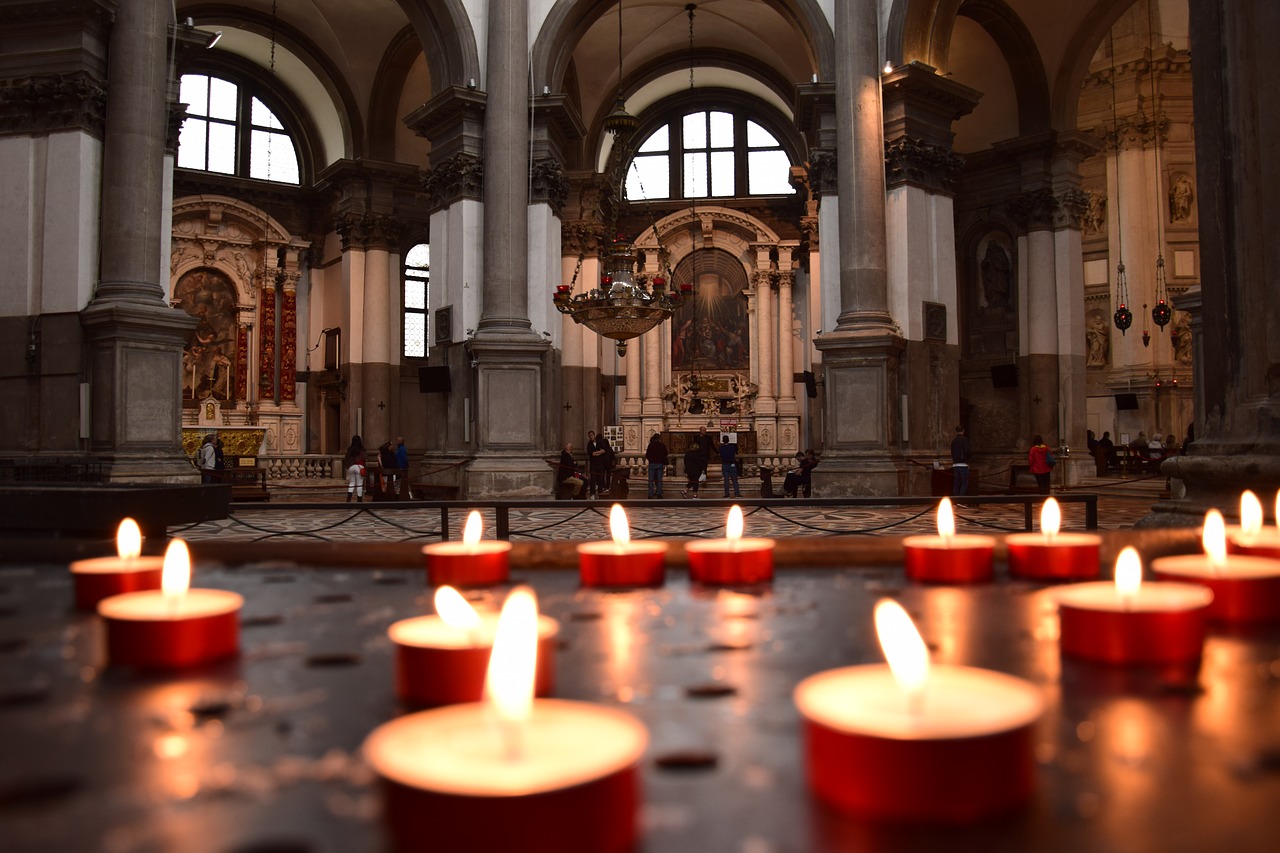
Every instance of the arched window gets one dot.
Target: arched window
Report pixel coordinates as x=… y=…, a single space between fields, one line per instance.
x=417 y=288
x=709 y=154
x=230 y=130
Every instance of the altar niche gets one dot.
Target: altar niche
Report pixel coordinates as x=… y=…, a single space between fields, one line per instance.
x=693 y=398
x=711 y=331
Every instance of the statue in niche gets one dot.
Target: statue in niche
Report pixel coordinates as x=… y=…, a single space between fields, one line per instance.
x=1095 y=215
x=679 y=394
x=996 y=281
x=1182 y=340
x=1098 y=338
x=1181 y=196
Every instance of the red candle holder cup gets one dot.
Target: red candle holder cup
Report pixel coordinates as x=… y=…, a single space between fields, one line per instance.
x=967 y=760
x=1245 y=591
x=439 y=665
x=1265 y=543
x=1062 y=557
x=633 y=564
x=458 y=564
x=153 y=631
x=730 y=562
x=103 y=577
x=1163 y=624
x=576 y=787
x=954 y=559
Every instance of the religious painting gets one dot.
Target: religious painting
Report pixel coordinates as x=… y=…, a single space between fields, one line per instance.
x=208 y=363
x=711 y=331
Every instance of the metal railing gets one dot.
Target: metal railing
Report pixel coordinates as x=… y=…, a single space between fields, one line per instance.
x=531 y=519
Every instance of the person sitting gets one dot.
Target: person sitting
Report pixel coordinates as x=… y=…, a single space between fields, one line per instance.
x=1108 y=448
x=800 y=476
x=567 y=473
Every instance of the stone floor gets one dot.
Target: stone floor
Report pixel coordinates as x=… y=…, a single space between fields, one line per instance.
x=329 y=518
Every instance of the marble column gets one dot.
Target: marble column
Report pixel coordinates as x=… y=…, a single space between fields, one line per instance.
x=1237 y=422
x=513 y=429
x=789 y=439
x=766 y=416
x=135 y=339
x=860 y=356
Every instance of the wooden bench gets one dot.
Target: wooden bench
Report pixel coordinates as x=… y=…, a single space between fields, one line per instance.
x=561 y=490
x=248 y=482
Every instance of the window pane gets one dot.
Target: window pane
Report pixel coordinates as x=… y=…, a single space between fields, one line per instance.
x=768 y=173
x=657 y=141
x=272 y=157
x=261 y=116
x=721 y=130
x=222 y=99
x=415 y=334
x=195 y=94
x=222 y=148
x=722 y=173
x=415 y=293
x=758 y=137
x=695 y=131
x=191 y=143
x=695 y=176
x=649 y=177
x=419 y=256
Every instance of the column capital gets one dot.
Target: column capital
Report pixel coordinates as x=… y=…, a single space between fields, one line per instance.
x=454 y=179
x=368 y=231
x=823 y=173
x=548 y=183
x=1034 y=210
x=915 y=162
x=43 y=103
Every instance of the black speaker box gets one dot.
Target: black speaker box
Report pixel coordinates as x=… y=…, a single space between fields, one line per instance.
x=1126 y=402
x=434 y=380
x=810 y=384
x=1004 y=376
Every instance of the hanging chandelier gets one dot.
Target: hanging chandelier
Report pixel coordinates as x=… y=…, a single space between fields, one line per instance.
x=626 y=304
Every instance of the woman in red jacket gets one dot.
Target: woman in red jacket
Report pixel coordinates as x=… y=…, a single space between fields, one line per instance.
x=1042 y=462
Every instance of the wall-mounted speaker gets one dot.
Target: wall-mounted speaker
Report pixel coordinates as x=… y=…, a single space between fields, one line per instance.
x=810 y=384
x=434 y=380
x=1126 y=402
x=1004 y=376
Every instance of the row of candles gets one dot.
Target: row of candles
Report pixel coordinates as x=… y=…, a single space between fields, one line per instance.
x=906 y=740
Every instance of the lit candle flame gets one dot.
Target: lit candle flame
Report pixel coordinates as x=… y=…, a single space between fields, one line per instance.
x=473 y=529
x=946 y=520
x=128 y=540
x=1050 y=518
x=618 y=526
x=509 y=682
x=1277 y=516
x=1250 y=517
x=1214 y=538
x=175 y=576
x=1128 y=574
x=454 y=610
x=904 y=649
x=734 y=525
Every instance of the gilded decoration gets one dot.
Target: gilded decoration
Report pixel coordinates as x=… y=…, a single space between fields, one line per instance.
x=235 y=442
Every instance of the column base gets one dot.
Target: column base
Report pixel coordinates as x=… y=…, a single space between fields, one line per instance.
x=1216 y=482
x=858 y=475
x=509 y=477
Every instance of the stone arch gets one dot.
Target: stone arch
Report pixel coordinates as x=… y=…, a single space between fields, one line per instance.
x=444 y=32
x=1065 y=104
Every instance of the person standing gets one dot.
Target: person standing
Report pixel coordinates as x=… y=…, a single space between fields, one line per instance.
x=402 y=456
x=960 y=463
x=706 y=447
x=694 y=466
x=207 y=459
x=353 y=463
x=1041 y=461
x=729 y=466
x=599 y=463
x=657 y=454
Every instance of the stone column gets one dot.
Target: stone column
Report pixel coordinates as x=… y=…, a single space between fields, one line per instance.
x=1237 y=442
x=1038 y=307
x=766 y=415
x=860 y=356
x=512 y=428
x=289 y=337
x=267 y=332
x=135 y=339
x=789 y=438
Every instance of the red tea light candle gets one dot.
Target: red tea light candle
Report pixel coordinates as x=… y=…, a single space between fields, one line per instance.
x=103 y=577
x=733 y=559
x=1251 y=537
x=511 y=773
x=173 y=627
x=471 y=562
x=1246 y=588
x=911 y=741
x=441 y=659
x=1051 y=555
x=1131 y=622
x=948 y=558
x=621 y=563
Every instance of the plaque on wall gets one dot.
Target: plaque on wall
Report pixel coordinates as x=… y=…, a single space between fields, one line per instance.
x=444 y=324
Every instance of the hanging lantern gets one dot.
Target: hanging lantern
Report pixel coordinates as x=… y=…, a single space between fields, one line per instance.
x=1123 y=316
